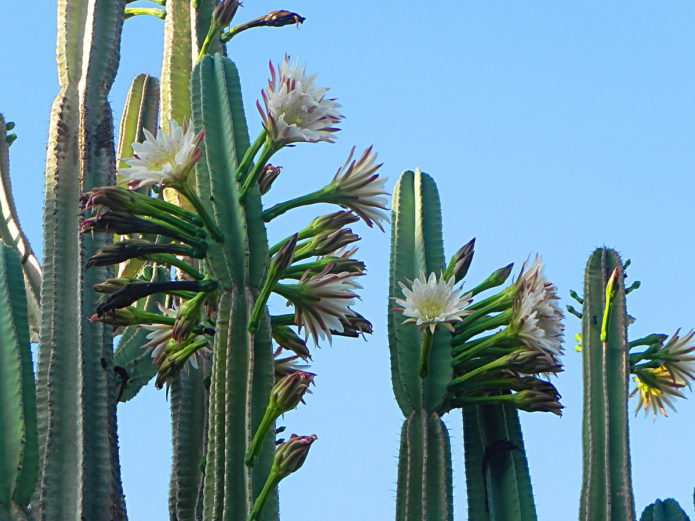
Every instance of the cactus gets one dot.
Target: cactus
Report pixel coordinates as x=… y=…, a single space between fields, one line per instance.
x=19 y=450
x=666 y=510
x=424 y=468
x=607 y=483
x=434 y=372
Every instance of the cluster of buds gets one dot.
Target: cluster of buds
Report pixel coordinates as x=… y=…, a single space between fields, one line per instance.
x=179 y=337
x=509 y=365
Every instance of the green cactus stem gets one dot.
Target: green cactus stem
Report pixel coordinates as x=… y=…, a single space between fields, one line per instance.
x=80 y=477
x=666 y=510
x=19 y=449
x=607 y=483
x=424 y=468
x=11 y=233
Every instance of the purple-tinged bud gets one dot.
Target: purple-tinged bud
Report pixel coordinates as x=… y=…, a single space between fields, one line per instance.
x=333 y=221
x=533 y=361
x=290 y=456
x=290 y=390
x=537 y=401
x=274 y=19
x=284 y=257
x=224 y=13
x=354 y=325
x=268 y=177
x=326 y=243
x=460 y=262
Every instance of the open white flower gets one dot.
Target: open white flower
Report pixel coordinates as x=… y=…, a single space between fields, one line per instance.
x=322 y=302
x=432 y=302
x=295 y=110
x=357 y=187
x=166 y=159
x=537 y=316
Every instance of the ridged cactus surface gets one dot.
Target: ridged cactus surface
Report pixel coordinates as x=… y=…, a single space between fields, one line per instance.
x=607 y=483
x=424 y=469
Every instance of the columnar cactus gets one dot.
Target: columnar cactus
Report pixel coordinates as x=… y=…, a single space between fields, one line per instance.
x=489 y=377
x=19 y=449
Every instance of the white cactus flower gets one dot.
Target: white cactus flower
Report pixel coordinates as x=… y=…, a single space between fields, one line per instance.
x=432 y=302
x=357 y=187
x=296 y=110
x=165 y=159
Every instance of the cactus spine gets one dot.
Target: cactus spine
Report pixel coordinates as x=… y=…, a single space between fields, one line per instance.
x=607 y=485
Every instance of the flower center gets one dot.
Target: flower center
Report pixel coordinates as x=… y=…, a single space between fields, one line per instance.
x=431 y=308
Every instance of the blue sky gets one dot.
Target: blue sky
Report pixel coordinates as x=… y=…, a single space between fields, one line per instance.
x=549 y=127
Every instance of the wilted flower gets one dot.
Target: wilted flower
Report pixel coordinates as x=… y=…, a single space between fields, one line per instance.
x=161 y=334
x=295 y=110
x=163 y=160
x=656 y=387
x=321 y=301
x=433 y=302
x=358 y=187
x=678 y=359
x=289 y=364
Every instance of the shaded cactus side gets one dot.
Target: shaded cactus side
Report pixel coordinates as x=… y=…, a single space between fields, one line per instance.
x=19 y=449
x=666 y=510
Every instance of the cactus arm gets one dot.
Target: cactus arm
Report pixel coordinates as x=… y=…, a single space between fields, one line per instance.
x=177 y=64
x=667 y=510
x=497 y=475
x=242 y=373
x=140 y=112
x=424 y=470
x=416 y=246
x=607 y=487
x=188 y=398
x=80 y=473
x=11 y=233
x=19 y=454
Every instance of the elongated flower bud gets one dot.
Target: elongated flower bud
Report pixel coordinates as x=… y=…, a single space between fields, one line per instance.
x=268 y=177
x=460 y=262
x=290 y=456
x=224 y=12
x=290 y=390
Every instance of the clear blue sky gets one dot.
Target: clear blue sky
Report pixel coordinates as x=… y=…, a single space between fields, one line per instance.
x=550 y=127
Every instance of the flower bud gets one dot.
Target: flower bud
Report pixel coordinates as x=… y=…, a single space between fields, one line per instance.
x=284 y=257
x=290 y=456
x=117 y=317
x=333 y=221
x=533 y=361
x=289 y=391
x=537 y=401
x=460 y=262
x=138 y=248
x=112 y=285
x=268 y=177
x=224 y=12
x=354 y=326
x=188 y=317
x=274 y=19
x=288 y=339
